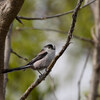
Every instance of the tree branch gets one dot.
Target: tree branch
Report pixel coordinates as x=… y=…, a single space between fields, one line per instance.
x=54 y=16
x=95 y=77
x=81 y=76
x=18 y=55
x=52 y=86
x=44 y=75
x=7 y=54
x=54 y=30
x=84 y=39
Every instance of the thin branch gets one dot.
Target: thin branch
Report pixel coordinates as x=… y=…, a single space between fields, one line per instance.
x=18 y=55
x=81 y=76
x=84 y=39
x=52 y=86
x=54 y=30
x=19 y=20
x=44 y=75
x=54 y=16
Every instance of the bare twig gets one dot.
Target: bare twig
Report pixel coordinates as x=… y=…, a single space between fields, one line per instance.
x=54 y=30
x=52 y=86
x=84 y=39
x=19 y=20
x=44 y=75
x=18 y=55
x=54 y=16
x=81 y=76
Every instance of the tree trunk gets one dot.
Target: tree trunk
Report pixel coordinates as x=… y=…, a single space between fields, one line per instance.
x=8 y=11
x=93 y=94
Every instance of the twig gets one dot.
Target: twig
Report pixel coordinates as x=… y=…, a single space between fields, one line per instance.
x=84 y=39
x=54 y=16
x=81 y=76
x=19 y=20
x=18 y=55
x=54 y=30
x=52 y=86
x=44 y=75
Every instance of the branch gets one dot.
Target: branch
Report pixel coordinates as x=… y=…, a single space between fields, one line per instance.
x=7 y=47
x=54 y=30
x=7 y=54
x=83 y=39
x=49 y=68
x=52 y=86
x=95 y=77
x=19 y=20
x=81 y=76
x=18 y=55
x=54 y=16
x=95 y=39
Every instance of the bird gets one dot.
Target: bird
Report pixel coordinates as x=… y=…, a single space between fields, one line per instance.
x=39 y=62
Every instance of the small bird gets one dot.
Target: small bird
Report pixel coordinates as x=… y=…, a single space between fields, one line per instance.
x=40 y=62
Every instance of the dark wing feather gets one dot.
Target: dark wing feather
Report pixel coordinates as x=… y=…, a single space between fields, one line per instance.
x=41 y=55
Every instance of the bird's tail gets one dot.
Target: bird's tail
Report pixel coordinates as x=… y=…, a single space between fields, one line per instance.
x=14 y=69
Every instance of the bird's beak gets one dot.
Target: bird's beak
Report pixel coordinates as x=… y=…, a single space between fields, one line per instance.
x=54 y=47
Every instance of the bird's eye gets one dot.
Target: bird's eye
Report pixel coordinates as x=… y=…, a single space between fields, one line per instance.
x=49 y=47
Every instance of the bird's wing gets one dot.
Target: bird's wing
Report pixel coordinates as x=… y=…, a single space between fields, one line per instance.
x=41 y=55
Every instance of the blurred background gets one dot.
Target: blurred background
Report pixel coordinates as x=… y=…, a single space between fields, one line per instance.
x=28 y=39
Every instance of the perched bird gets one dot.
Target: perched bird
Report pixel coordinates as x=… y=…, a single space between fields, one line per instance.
x=40 y=62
